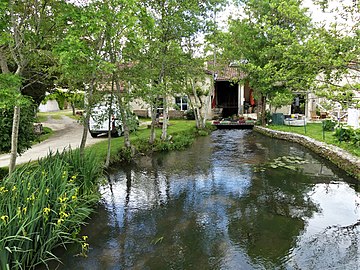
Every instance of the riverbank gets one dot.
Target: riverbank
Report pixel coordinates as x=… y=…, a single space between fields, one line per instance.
x=338 y=156
x=181 y=134
x=44 y=203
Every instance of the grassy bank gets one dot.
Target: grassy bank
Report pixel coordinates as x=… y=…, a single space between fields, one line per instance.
x=181 y=134
x=315 y=131
x=44 y=204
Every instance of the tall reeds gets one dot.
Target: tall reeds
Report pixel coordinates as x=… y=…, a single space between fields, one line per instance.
x=42 y=206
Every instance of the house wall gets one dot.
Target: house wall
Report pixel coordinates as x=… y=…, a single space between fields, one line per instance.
x=142 y=109
x=49 y=106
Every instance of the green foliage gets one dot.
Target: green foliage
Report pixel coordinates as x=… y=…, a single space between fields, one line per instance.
x=329 y=125
x=43 y=206
x=347 y=134
x=26 y=130
x=280 y=99
x=315 y=131
x=190 y=115
x=272 y=38
x=3 y=172
x=73 y=97
x=271 y=41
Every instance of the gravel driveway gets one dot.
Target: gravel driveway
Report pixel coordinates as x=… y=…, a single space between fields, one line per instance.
x=67 y=134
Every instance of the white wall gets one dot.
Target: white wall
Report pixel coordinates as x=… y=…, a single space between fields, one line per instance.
x=50 y=106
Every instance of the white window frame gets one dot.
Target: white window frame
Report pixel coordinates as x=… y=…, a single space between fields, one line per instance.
x=183 y=102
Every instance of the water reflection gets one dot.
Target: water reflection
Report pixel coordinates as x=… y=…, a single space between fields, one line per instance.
x=208 y=208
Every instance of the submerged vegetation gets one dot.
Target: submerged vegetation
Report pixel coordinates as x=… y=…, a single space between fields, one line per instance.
x=287 y=162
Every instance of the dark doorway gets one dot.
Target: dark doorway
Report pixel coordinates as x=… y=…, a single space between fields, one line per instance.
x=298 y=105
x=227 y=97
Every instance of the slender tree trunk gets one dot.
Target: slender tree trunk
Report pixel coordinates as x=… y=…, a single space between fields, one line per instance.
x=14 y=139
x=90 y=101
x=153 y=123
x=73 y=108
x=165 y=120
x=263 y=110
x=3 y=62
x=127 y=142
x=87 y=117
x=192 y=106
x=197 y=107
x=207 y=102
x=107 y=161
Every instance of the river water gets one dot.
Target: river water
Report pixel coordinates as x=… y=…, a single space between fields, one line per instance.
x=234 y=200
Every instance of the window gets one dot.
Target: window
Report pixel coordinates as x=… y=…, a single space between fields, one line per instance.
x=181 y=103
x=160 y=105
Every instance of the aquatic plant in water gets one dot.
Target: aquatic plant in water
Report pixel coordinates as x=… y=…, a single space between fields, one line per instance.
x=286 y=162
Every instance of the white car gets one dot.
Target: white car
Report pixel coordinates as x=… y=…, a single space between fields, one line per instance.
x=99 y=121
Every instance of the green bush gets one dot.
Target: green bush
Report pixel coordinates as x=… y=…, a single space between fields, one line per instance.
x=190 y=115
x=43 y=206
x=356 y=137
x=329 y=125
x=26 y=129
x=344 y=134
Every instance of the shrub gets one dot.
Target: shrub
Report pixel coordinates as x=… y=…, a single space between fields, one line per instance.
x=26 y=129
x=343 y=134
x=190 y=115
x=43 y=206
x=329 y=125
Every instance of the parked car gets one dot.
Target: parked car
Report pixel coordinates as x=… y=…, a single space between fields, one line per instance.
x=99 y=121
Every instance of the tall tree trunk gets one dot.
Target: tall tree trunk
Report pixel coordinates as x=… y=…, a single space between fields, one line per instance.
x=165 y=120
x=124 y=119
x=153 y=123
x=87 y=117
x=263 y=110
x=73 y=108
x=3 y=62
x=197 y=106
x=192 y=106
x=207 y=102
x=107 y=161
x=90 y=101
x=14 y=139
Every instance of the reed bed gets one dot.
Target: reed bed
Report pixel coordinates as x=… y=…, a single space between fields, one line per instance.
x=43 y=206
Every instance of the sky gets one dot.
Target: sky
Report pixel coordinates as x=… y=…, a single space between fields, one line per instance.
x=316 y=13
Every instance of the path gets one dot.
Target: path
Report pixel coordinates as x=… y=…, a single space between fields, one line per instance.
x=67 y=134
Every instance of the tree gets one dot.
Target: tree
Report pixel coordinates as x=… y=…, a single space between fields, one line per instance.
x=166 y=56
x=9 y=96
x=338 y=52
x=23 y=30
x=80 y=53
x=273 y=37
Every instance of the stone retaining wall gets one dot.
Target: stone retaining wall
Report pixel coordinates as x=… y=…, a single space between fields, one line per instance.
x=338 y=156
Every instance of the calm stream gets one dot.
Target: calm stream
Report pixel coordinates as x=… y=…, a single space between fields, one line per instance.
x=234 y=200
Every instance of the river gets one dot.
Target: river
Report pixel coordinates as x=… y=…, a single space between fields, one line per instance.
x=233 y=200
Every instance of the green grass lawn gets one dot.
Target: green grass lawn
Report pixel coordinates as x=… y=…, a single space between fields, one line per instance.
x=141 y=136
x=314 y=130
x=42 y=116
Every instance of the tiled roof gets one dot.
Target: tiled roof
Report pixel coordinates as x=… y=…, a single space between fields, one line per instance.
x=224 y=72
